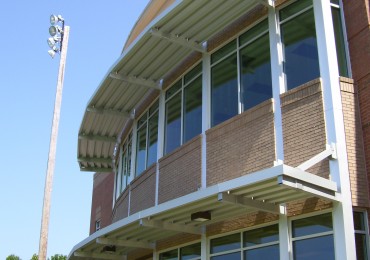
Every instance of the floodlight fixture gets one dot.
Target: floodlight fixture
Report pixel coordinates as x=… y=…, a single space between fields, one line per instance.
x=51 y=53
x=54 y=29
x=55 y=19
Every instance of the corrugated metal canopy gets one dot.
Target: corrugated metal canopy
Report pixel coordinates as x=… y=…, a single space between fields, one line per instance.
x=178 y=32
x=262 y=191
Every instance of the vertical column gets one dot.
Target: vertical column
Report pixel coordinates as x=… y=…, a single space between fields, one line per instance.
x=204 y=246
x=160 y=146
x=342 y=213
x=206 y=113
x=284 y=241
x=278 y=80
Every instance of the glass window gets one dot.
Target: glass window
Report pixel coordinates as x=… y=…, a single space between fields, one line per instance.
x=241 y=75
x=313 y=238
x=224 y=87
x=231 y=256
x=193 y=109
x=339 y=41
x=191 y=252
x=300 y=46
x=183 y=110
x=225 y=243
x=256 y=83
x=268 y=252
x=126 y=162
x=147 y=137
x=361 y=235
x=261 y=236
x=173 y=123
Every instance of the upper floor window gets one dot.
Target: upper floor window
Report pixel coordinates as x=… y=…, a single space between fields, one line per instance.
x=361 y=234
x=298 y=32
x=241 y=74
x=339 y=38
x=190 y=252
x=147 y=139
x=183 y=110
x=124 y=166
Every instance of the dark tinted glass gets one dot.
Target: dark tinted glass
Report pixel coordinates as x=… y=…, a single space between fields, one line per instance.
x=232 y=256
x=319 y=248
x=312 y=225
x=358 y=220
x=190 y=252
x=193 y=109
x=261 y=235
x=361 y=247
x=224 y=100
x=253 y=32
x=256 y=72
x=300 y=49
x=225 y=243
x=141 y=151
x=269 y=252
x=193 y=73
x=224 y=51
x=170 y=255
x=153 y=138
x=294 y=8
x=339 y=42
x=173 y=123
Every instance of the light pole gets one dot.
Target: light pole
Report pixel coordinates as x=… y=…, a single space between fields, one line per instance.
x=58 y=42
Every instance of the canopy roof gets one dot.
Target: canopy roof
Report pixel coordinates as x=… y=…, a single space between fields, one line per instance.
x=182 y=29
x=262 y=191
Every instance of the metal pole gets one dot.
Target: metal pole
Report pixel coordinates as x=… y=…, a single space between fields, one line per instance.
x=52 y=150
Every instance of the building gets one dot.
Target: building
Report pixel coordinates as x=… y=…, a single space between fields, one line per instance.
x=233 y=130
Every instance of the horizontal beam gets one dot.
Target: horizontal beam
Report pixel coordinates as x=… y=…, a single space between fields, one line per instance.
x=96 y=169
x=94 y=159
x=247 y=202
x=98 y=255
x=90 y=137
x=124 y=243
x=104 y=111
x=170 y=226
x=136 y=80
x=316 y=190
x=178 y=39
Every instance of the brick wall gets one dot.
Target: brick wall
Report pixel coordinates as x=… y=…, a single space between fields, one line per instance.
x=180 y=171
x=143 y=191
x=354 y=142
x=304 y=133
x=241 y=145
x=101 y=205
x=120 y=210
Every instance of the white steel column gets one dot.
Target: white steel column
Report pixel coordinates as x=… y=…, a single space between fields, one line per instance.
x=284 y=241
x=204 y=247
x=278 y=79
x=160 y=142
x=344 y=238
x=206 y=113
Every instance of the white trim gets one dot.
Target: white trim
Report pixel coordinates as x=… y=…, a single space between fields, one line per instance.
x=206 y=113
x=160 y=141
x=344 y=238
x=284 y=237
x=278 y=80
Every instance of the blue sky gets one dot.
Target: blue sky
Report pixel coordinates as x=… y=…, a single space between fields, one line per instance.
x=28 y=77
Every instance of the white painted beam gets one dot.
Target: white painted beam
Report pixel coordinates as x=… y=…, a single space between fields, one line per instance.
x=247 y=202
x=94 y=159
x=170 y=226
x=124 y=243
x=178 y=39
x=91 y=137
x=105 y=111
x=98 y=255
x=136 y=81
x=330 y=150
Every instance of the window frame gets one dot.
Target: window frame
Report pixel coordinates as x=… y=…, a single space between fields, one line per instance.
x=184 y=83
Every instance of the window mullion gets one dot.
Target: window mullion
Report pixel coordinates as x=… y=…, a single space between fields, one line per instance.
x=239 y=75
x=182 y=113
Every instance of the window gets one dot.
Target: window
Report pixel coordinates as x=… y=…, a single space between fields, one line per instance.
x=313 y=232
x=124 y=166
x=260 y=243
x=183 y=110
x=147 y=138
x=97 y=225
x=339 y=38
x=247 y=59
x=190 y=252
x=361 y=238
x=301 y=63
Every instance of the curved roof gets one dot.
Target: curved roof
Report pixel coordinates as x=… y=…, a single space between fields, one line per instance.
x=167 y=32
